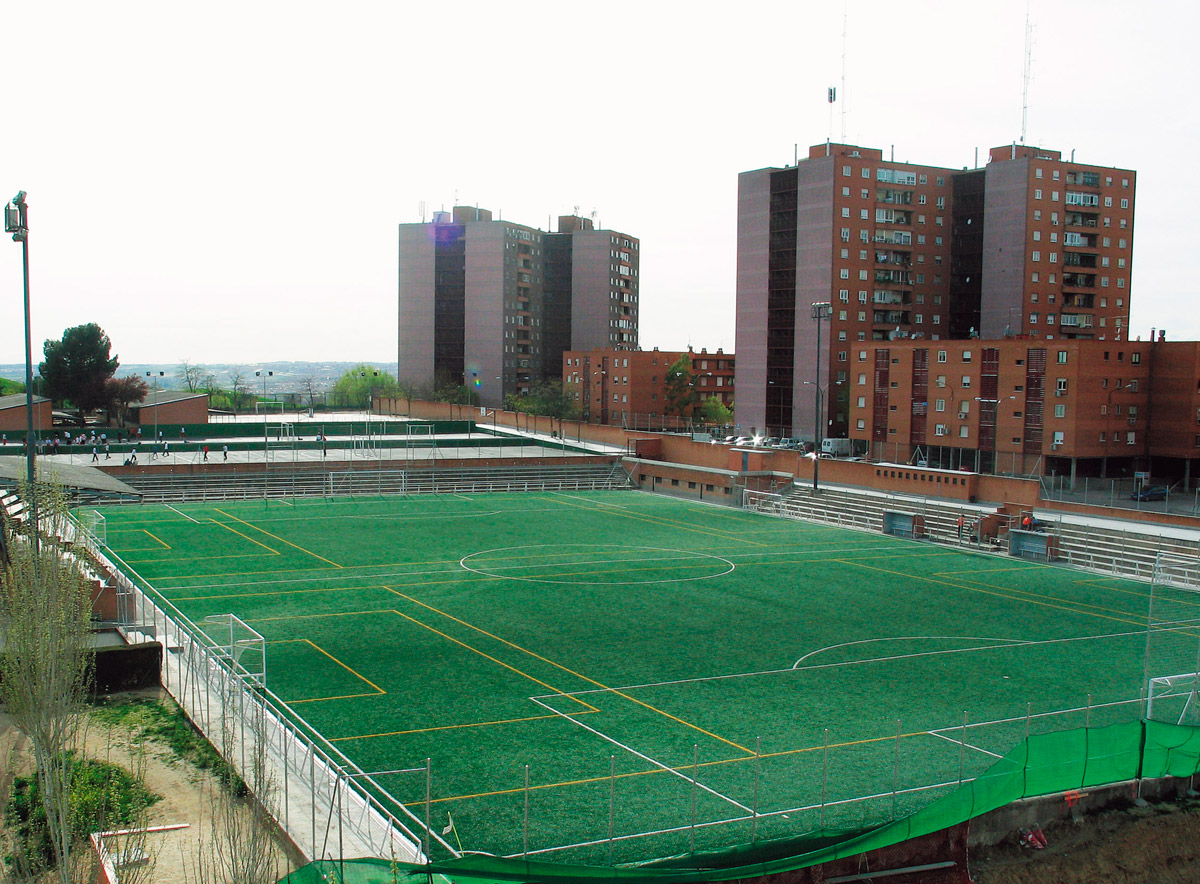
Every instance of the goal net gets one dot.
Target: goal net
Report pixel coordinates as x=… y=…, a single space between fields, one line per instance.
x=761 y=501
x=94 y=526
x=244 y=648
x=1173 y=641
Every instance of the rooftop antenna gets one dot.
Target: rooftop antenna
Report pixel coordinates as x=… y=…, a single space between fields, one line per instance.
x=1028 y=72
x=844 y=78
x=421 y=209
x=832 y=99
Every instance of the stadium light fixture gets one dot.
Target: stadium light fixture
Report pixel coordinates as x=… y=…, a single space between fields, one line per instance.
x=16 y=222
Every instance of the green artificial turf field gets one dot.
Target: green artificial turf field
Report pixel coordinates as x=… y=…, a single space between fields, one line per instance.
x=668 y=675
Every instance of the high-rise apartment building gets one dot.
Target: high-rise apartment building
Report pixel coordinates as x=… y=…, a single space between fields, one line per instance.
x=1029 y=245
x=493 y=305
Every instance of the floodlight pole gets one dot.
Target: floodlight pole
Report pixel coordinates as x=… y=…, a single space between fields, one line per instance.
x=16 y=222
x=156 y=377
x=266 y=457
x=821 y=311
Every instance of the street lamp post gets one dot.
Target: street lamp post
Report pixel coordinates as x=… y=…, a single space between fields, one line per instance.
x=151 y=374
x=821 y=310
x=16 y=222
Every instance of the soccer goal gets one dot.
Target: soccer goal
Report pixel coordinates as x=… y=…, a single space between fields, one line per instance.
x=94 y=526
x=761 y=501
x=1173 y=640
x=243 y=647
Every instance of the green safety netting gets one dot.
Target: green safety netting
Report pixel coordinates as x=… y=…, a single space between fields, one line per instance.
x=1041 y=765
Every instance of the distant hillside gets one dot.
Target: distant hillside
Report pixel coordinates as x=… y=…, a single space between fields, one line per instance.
x=289 y=377
x=7 y=387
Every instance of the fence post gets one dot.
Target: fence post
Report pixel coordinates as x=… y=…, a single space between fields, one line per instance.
x=824 y=777
x=896 y=769
x=525 y=819
x=692 y=830
x=754 y=807
x=612 y=803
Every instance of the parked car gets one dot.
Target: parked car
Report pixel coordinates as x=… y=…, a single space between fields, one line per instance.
x=1150 y=492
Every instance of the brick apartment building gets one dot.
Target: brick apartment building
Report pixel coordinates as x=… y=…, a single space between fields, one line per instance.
x=629 y=388
x=1026 y=406
x=493 y=305
x=1030 y=245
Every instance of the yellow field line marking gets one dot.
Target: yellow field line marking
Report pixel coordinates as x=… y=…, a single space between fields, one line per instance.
x=498 y=662
x=570 y=671
x=451 y=727
x=670 y=523
x=247 y=595
x=1011 y=595
x=157 y=539
x=135 y=561
x=682 y=769
x=1029 y=594
x=376 y=693
x=280 y=539
x=273 y=552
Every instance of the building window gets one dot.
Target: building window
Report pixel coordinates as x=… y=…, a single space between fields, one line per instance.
x=966 y=382
x=940 y=405
x=846 y=171
x=1060 y=410
x=862 y=425
x=1061 y=356
x=966 y=355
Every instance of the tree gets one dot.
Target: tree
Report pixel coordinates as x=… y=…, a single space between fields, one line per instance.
x=238 y=391
x=358 y=387
x=713 y=411
x=311 y=387
x=123 y=392
x=547 y=398
x=45 y=619
x=681 y=392
x=77 y=367
x=193 y=376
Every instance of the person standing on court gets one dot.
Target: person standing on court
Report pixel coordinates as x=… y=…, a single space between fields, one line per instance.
x=225 y=452
x=206 y=454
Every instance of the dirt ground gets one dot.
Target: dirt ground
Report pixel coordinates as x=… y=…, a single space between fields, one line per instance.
x=182 y=787
x=1159 y=844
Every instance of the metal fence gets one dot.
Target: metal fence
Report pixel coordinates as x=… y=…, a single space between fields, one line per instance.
x=327 y=805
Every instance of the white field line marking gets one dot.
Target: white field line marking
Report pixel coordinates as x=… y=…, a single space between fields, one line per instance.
x=596 y=503
x=962 y=743
x=1015 y=718
x=806 y=808
x=908 y=638
x=641 y=755
x=185 y=515
x=820 y=666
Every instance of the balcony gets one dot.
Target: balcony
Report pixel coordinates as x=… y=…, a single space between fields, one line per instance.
x=899 y=259
x=1076 y=320
x=890 y=317
x=1087 y=301
x=895 y=197
x=890 y=298
x=1079 y=280
x=1081 y=219
x=893 y=277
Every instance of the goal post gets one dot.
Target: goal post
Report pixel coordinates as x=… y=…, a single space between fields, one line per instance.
x=244 y=648
x=95 y=526
x=1173 y=640
x=761 y=501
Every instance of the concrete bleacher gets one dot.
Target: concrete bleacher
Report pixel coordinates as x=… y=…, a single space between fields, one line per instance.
x=1122 y=548
x=584 y=476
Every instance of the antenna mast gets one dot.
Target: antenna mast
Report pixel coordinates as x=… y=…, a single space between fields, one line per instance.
x=1028 y=68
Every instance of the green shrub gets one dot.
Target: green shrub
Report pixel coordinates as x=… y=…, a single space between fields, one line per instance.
x=103 y=796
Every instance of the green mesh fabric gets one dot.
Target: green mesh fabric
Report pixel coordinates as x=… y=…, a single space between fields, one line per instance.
x=1041 y=765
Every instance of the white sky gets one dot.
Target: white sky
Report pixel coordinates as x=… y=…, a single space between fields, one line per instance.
x=222 y=181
